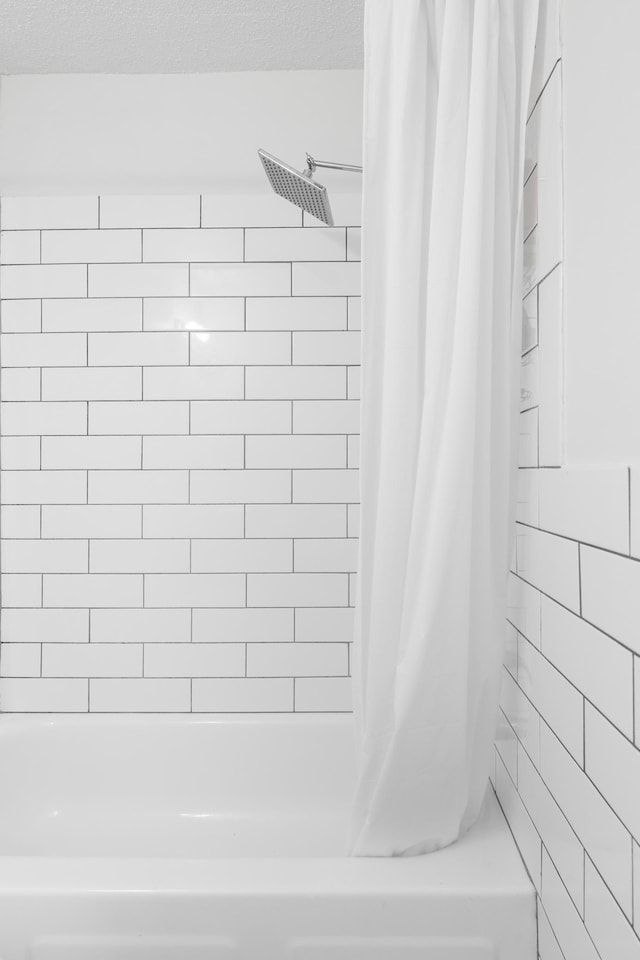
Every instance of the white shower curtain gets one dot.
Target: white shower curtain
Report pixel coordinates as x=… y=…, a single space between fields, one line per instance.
x=446 y=90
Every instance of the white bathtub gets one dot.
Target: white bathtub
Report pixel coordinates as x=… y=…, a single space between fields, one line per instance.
x=182 y=838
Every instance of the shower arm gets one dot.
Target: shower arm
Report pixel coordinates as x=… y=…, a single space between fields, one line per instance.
x=312 y=164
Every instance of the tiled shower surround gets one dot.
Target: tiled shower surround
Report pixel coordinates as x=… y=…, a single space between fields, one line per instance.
x=179 y=454
x=568 y=759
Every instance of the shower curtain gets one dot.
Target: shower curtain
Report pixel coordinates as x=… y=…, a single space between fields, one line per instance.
x=446 y=91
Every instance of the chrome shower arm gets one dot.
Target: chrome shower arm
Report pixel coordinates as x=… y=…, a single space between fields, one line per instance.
x=350 y=167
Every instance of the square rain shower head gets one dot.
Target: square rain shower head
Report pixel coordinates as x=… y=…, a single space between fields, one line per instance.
x=297 y=187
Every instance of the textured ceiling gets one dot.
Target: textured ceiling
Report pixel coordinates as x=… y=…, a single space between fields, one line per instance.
x=178 y=36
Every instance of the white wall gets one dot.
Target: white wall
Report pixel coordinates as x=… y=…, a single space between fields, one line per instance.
x=173 y=134
x=601 y=78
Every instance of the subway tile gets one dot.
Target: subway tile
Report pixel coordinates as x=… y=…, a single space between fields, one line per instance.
x=529 y=205
x=43 y=350
x=44 y=556
x=291 y=660
x=529 y=375
x=550 y=564
x=506 y=744
x=140 y=626
x=547 y=48
x=510 y=651
x=138 y=486
x=45 y=626
x=92 y=590
x=521 y=714
x=353 y=452
x=92 y=383
x=530 y=321
x=106 y=313
x=560 y=841
x=91 y=246
x=528 y=438
x=91 y=660
x=139 y=556
x=21 y=589
x=565 y=920
x=240 y=416
x=323 y=695
x=591 y=505
x=296 y=313
x=609 y=929
x=194 y=660
x=326 y=416
x=20 y=521
x=194 y=313
x=326 y=625
x=295 y=520
x=235 y=695
x=243 y=625
x=240 y=279
x=194 y=453
x=326 y=347
x=167 y=246
x=636 y=886
x=297 y=590
x=611 y=594
x=326 y=279
x=597 y=665
x=148 y=416
x=551 y=375
x=326 y=556
x=20 y=383
x=527 y=509
x=138 y=349
x=38 y=695
x=242 y=349
x=193 y=521
x=598 y=828
x=242 y=556
x=21 y=316
x=354 y=313
x=20 y=246
x=89 y=521
x=28 y=281
x=634 y=493
x=523 y=608
x=353 y=520
x=240 y=486
x=354 y=243
x=20 y=453
x=47 y=213
x=248 y=210
x=524 y=832
x=194 y=590
x=274 y=383
x=346 y=209
x=327 y=243
x=139 y=696
x=559 y=703
x=193 y=383
x=20 y=659
x=135 y=280
x=353 y=384
x=44 y=486
x=326 y=486
x=613 y=764
x=150 y=211
x=297 y=451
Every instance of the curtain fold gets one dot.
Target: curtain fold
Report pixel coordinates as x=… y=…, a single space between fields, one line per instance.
x=446 y=91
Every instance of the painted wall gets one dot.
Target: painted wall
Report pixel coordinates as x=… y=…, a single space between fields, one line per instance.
x=173 y=134
x=567 y=755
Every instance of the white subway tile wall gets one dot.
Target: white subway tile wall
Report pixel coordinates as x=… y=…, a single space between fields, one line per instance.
x=179 y=454
x=567 y=759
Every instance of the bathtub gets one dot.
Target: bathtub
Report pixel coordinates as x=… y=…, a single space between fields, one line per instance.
x=212 y=838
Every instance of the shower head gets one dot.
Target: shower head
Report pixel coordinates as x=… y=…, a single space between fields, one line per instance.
x=298 y=188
